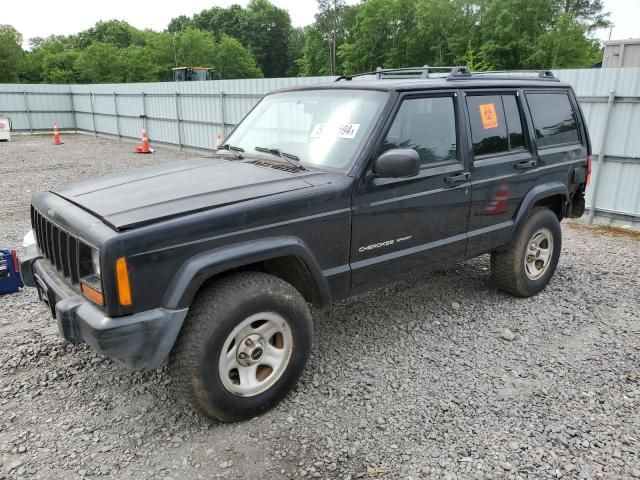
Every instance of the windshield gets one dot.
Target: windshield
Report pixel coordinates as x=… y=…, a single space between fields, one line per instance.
x=323 y=128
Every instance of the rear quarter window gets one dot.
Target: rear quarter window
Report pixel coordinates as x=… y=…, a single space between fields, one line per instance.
x=553 y=117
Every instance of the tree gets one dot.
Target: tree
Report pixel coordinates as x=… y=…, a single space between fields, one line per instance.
x=262 y=28
x=445 y=31
x=59 y=66
x=230 y=21
x=267 y=36
x=510 y=29
x=113 y=32
x=11 y=54
x=248 y=42
x=100 y=63
x=31 y=68
x=386 y=33
x=475 y=60
x=589 y=13
x=566 y=46
x=161 y=49
x=195 y=48
x=542 y=34
x=329 y=23
x=232 y=60
x=296 y=51
x=178 y=24
x=314 y=59
x=139 y=65
x=37 y=43
x=372 y=34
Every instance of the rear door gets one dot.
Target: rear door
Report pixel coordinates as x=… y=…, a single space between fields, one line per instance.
x=504 y=165
x=403 y=224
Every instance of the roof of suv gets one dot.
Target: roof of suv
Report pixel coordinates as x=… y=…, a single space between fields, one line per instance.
x=427 y=84
x=418 y=78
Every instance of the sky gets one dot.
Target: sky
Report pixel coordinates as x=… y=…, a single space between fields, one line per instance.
x=40 y=18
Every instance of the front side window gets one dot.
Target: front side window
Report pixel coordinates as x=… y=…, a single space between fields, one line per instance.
x=553 y=119
x=324 y=128
x=426 y=125
x=496 y=126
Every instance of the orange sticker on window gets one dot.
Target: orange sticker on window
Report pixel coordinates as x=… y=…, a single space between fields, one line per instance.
x=488 y=115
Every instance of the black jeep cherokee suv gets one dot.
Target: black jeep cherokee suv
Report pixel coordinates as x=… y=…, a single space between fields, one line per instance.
x=321 y=192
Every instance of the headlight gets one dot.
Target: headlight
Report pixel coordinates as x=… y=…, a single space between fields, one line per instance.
x=95 y=261
x=90 y=282
x=89 y=261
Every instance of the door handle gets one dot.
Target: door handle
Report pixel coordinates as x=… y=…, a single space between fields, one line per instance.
x=525 y=165
x=458 y=178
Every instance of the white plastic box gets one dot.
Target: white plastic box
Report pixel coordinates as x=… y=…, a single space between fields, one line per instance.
x=5 y=129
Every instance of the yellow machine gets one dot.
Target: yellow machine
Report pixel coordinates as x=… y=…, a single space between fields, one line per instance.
x=190 y=74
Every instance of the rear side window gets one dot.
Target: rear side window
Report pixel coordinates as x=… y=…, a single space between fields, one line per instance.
x=553 y=119
x=427 y=125
x=496 y=126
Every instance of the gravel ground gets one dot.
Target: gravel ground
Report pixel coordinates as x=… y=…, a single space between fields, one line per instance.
x=463 y=383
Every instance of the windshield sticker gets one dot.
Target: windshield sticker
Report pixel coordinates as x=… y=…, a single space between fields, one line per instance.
x=318 y=131
x=345 y=130
x=488 y=116
x=348 y=130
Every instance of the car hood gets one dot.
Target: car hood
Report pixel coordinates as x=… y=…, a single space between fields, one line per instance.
x=146 y=195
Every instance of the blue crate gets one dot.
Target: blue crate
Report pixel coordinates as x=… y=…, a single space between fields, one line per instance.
x=10 y=279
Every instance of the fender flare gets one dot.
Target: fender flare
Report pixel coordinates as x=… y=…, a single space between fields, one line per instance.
x=199 y=268
x=537 y=193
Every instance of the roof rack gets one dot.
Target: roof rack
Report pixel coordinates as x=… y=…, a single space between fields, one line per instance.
x=419 y=72
x=452 y=73
x=506 y=74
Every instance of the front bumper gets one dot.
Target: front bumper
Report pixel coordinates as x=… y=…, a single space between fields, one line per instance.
x=139 y=341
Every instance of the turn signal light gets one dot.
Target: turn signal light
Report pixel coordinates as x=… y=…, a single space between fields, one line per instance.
x=16 y=262
x=588 y=169
x=92 y=294
x=124 y=288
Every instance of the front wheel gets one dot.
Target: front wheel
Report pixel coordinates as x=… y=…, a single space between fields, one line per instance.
x=526 y=267
x=245 y=344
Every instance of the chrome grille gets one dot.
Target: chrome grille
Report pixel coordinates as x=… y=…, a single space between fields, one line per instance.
x=59 y=247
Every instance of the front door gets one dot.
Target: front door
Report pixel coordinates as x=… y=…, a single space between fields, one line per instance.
x=406 y=224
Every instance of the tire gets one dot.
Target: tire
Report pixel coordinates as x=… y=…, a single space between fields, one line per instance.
x=524 y=274
x=253 y=306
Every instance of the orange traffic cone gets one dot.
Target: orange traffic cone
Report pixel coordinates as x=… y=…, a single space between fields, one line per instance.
x=144 y=146
x=56 y=135
x=218 y=140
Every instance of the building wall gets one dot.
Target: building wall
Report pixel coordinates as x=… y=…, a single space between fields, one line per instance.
x=621 y=54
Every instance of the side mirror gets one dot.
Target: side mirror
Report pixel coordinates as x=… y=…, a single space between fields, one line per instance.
x=397 y=163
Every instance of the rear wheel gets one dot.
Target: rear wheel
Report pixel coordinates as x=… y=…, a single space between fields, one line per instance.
x=245 y=344
x=526 y=267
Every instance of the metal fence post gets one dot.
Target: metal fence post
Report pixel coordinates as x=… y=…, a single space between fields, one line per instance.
x=93 y=115
x=115 y=110
x=176 y=95
x=73 y=111
x=224 y=131
x=26 y=106
x=144 y=112
x=603 y=141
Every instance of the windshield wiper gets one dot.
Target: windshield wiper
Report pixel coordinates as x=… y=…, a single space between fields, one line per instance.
x=291 y=159
x=232 y=149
